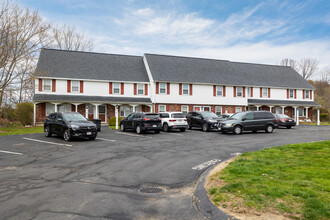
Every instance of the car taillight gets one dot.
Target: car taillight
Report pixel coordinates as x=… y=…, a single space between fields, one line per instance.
x=185 y=119
x=282 y=120
x=172 y=120
x=146 y=119
x=275 y=120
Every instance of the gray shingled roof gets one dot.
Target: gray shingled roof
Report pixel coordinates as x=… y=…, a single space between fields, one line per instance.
x=281 y=102
x=198 y=70
x=84 y=98
x=88 y=65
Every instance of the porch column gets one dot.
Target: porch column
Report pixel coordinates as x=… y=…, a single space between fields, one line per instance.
x=116 y=114
x=34 y=114
x=297 y=115
x=151 y=108
x=283 y=107
x=270 y=108
x=76 y=107
x=96 y=115
x=133 y=107
x=86 y=111
x=318 y=116
x=258 y=106
x=306 y=112
x=55 y=106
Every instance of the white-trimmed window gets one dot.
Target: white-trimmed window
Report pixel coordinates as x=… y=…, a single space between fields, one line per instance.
x=264 y=92
x=219 y=90
x=125 y=110
x=239 y=91
x=64 y=108
x=238 y=109
x=227 y=109
x=307 y=94
x=50 y=108
x=184 y=109
x=162 y=88
x=47 y=85
x=302 y=112
x=75 y=86
x=185 y=89
x=249 y=91
x=140 y=88
x=116 y=88
x=218 y=110
x=162 y=108
x=291 y=92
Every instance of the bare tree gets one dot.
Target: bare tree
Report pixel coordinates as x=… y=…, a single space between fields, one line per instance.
x=67 y=38
x=306 y=67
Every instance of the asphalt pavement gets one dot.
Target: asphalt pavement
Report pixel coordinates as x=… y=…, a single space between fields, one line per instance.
x=48 y=178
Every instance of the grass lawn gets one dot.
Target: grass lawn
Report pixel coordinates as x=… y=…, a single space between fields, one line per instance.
x=113 y=127
x=293 y=180
x=14 y=128
x=314 y=123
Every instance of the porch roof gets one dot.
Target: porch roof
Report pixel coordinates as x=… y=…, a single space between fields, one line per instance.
x=88 y=99
x=282 y=102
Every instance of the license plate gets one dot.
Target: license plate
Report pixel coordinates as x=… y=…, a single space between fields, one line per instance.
x=180 y=120
x=89 y=133
x=219 y=128
x=154 y=126
x=290 y=120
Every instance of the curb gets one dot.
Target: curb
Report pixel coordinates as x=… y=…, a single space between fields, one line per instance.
x=202 y=201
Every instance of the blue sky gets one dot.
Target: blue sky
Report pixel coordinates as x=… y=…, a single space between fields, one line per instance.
x=237 y=30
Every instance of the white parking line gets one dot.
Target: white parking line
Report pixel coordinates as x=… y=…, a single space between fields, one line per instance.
x=10 y=152
x=103 y=139
x=30 y=139
x=174 y=134
x=134 y=135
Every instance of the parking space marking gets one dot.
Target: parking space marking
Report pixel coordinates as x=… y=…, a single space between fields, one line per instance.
x=174 y=134
x=103 y=139
x=10 y=152
x=206 y=164
x=134 y=135
x=47 y=142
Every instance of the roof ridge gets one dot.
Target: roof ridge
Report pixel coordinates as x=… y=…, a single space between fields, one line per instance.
x=90 y=52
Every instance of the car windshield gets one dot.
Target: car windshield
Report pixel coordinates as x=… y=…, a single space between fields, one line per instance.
x=177 y=115
x=237 y=116
x=283 y=116
x=152 y=116
x=74 y=117
x=209 y=115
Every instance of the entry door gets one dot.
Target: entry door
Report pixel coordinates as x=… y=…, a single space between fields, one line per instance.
x=102 y=112
x=206 y=109
x=90 y=112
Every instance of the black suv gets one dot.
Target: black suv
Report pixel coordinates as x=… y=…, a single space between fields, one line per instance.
x=69 y=125
x=204 y=120
x=141 y=122
x=249 y=121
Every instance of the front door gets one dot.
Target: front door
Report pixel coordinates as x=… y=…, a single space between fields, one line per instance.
x=206 y=109
x=90 y=111
x=102 y=113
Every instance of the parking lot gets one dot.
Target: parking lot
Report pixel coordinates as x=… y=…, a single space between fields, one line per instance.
x=48 y=178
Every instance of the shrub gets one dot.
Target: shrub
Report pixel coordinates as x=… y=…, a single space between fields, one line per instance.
x=8 y=113
x=112 y=121
x=24 y=112
x=324 y=116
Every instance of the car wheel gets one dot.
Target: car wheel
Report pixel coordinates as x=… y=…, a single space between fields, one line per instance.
x=166 y=128
x=269 y=129
x=138 y=129
x=255 y=131
x=189 y=126
x=47 y=131
x=182 y=129
x=67 y=135
x=205 y=127
x=122 y=128
x=288 y=127
x=157 y=132
x=237 y=129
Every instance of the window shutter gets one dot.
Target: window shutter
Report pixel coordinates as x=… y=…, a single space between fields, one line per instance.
x=234 y=91
x=251 y=92
x=156 y=108
x=69 y=86
x=54 y=85
x=214 y=90
x=40 y=84
x=260 y=92
x=295 y=94
x=303 y=93
x=168 y=88
x=190 y=89
x=224 y=91
x=81 y=86
x=122 y=88
x=268 y=92
x=157 y=87
x=180 y=88
x=146 y=89
x=287 y=93
x=311 y=93
x=167 y=107
x=135 y=88
x=110 y=87
x=243 y=92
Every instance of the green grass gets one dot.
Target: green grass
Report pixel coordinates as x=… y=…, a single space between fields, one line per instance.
x=113 y=127
x=292 y=179
x=314 y=123
x=14 y=129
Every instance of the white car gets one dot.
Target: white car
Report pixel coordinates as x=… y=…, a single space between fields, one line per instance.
x=173 y=120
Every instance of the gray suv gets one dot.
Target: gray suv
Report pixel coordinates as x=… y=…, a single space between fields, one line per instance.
x=249 y=121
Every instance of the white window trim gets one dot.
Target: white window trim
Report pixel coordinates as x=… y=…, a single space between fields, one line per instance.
x=307 y=93
x=292 y=94
x=183 y=89
x=44 y=83
x=249 y=92
x=143 y=89
x=220 y=90
x=159 y=106
x=186 y=107
x=165 y=89
x=262 y=93
x=72 y=86
x=220 y=107
x=113 y=88
x=237 y=91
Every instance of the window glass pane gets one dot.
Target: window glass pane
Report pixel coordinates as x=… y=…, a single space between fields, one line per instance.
x=101 y=109
x=47 y=85
x=291 y=93
x=218 y=110
x=162 y=108
x=140 y=89
x=177 y=115
x=264 y=92
x=185 y=89
x=249 y=116
x=162 y=88
x=75 y=86
x=50 y=108
x=249 y=91
x=307 y=94
x=238 y=109
x=219 y=90
x=239 y=91
x=184 y=109
x=116 y=88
